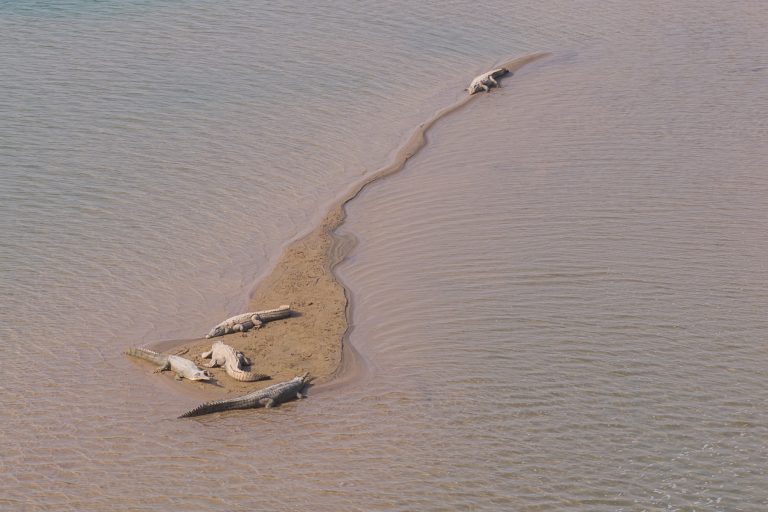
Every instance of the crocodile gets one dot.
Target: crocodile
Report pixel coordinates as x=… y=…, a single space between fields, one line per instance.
x=232 y=361
x=267 y=397
x=184 y=368
x=487 y=80
x=247 y=321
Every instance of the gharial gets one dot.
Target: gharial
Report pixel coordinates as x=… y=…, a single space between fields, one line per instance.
x=232 y=361
x=247 y=321
x=184 y=368
x=487 y=80
x=267 y=397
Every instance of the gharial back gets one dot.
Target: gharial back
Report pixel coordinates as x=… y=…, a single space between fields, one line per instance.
x=284 y=390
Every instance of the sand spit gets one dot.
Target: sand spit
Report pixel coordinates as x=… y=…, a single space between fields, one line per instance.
x=314 y=339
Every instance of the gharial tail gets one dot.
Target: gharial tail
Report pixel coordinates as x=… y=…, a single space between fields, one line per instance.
x=147 y=355
x=216 y=406
x=500 y=72
x=243 y=375
x=283 y=311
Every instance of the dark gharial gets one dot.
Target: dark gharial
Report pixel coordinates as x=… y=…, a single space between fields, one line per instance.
x=267 y=397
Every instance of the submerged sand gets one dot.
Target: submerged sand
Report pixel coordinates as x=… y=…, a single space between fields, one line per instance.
x=313 y=338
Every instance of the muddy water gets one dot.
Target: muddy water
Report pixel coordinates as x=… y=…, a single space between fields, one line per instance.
x=559 y=304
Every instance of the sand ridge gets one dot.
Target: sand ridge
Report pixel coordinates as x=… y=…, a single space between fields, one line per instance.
x=313 y=339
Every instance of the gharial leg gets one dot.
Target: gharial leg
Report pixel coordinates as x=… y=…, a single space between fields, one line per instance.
x=257 y=323
x=485 y=87
x=242 y=360
x=494 y=82
x=268 y=403
x=166 y=366
x=246 y=326
x=214 y=362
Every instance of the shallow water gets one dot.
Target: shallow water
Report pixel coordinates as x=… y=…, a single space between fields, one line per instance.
x=560 y=301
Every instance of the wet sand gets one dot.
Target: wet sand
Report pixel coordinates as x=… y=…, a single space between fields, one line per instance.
x=313 y=339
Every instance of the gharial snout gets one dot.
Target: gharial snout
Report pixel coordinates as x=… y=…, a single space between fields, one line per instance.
x=216 y=331
x=201 y=375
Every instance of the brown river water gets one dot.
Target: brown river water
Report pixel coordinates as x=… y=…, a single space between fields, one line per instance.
x=560 y=302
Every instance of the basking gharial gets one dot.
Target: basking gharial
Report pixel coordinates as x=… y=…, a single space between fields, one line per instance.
x=184 y=368
x=487 y=80
x=247 y=321
x=232 y=361
x=267 y=397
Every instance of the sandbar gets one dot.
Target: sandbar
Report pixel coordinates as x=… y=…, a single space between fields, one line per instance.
x=313 y=339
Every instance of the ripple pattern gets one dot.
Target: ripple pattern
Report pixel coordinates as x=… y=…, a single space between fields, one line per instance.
x=560 y=300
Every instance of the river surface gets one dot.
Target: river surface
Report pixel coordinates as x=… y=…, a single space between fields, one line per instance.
x=561 y=303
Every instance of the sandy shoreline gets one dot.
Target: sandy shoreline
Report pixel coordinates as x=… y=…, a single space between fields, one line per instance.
x=310 y=340
x=314 y=339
